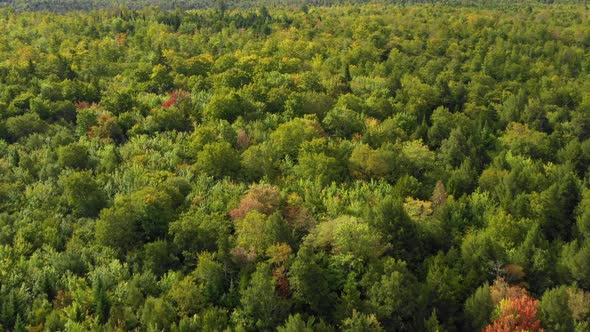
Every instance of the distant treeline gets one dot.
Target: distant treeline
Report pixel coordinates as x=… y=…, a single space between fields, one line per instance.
x=73 y=5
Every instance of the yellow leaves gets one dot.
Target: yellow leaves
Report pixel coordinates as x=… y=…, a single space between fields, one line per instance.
x=524 y=141
x=23 y=55
x=139 y=160
x=472 y=19
x=418 y=153
x=149 y=198
x=480 y=20
x=502 y=290
x=294 y=199
x=158 y=71
x=206 y=57
x=246 y=59
x=121 y=39
x=491 y=177
x=371 y=122
x=67 y=49
x=6 y=261
x=507 y=230
x=365 y=162
x=518 y=129
x=266 y=62
x=418 y=210
x=579 y=303
x=323 y=234
x=279 y=253
x=183 y=63
x=169 y=54
x=290 y=65
x=254 y=233
x=348 y=235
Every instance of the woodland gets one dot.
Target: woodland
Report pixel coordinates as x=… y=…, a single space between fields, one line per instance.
x=348 y=167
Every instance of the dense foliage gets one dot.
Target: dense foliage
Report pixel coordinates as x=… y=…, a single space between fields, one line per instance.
x=86 y=5
x=354 y=168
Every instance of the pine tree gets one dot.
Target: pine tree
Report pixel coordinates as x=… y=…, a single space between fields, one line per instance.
x=19 y=325
x=101 y=301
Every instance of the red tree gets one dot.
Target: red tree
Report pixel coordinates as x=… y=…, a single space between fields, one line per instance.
x=171 y=101
x=175 y=97
x=516 y=314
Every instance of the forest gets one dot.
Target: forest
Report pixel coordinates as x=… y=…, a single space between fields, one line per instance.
x=86 y=5
x=355 y=167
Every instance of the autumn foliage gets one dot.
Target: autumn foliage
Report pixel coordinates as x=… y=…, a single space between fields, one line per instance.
x=516 y=314
x=501 y=290
x=176 y=96
x=263 y=198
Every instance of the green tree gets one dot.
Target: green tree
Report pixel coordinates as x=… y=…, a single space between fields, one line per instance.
x=360 y=322
x=198 y=231
x=455 y=149
x=157 y=314
x=310 y=282
x=296 y=324
x=348 y=235
x=139 y=217
x=187 y=296
x=557 y=206
x=229 y=105
x=74 y=156
x=101 y=300
x=83 y=194
x=23 y=125
x=117 y=228
x=218 y=160
x=389 y=219
x=160 y=79
x=366 y=163
x=256 y=232
x=288 y=137
x=554 y=311
x=393 y=296
x=343 y=122
x=211 y=274
x=479 y=308
x=319 y=161
x=158 y=257
x=260 y=304
x=445 y=286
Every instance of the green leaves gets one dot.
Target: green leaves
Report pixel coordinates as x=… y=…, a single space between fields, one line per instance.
x=260 y=306
x=83 y=194
x=229 y=105
x=256 y=232
x=355 y=168
x=219 y=160
x=138 y=217
x=479 y=308
x=393 y=296
x=554 y=311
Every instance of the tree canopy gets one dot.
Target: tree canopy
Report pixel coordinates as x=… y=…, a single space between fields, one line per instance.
x=294 y=165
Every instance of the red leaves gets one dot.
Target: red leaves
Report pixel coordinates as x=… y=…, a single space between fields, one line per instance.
x=515 y=310
x=175 y=97
x=170 y=101
x=516 y=314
